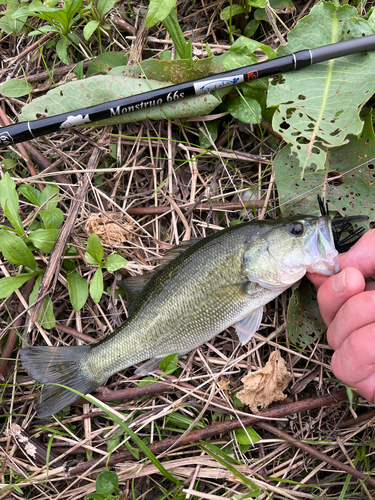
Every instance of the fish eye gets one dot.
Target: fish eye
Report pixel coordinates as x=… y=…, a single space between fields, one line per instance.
x=297 y=229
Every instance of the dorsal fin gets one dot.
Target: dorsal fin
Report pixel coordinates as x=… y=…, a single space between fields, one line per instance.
x=172 y=253
x=134 y=284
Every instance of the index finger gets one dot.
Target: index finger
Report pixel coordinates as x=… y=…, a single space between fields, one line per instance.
x=361 y=255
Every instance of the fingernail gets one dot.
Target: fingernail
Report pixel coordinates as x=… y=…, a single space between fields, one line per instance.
x=339 y=282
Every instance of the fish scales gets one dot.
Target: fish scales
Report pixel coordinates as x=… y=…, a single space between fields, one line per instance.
x=200 y=292
x=219 y=281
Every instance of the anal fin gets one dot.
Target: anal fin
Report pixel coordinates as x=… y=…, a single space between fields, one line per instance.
x=149 y=367
x=246 y=328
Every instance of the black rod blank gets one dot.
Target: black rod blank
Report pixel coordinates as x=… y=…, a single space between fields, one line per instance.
x=25 y=131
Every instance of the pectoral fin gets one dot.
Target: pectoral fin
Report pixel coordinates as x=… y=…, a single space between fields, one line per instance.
x=246 y=328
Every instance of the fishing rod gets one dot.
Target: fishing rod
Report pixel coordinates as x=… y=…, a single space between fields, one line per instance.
x=25 y=131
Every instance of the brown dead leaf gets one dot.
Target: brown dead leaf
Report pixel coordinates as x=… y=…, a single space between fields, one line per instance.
x=263 y=387
x=112 y=230
x=223 y=384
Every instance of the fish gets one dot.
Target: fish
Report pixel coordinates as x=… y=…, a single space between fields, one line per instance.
x=202 y=288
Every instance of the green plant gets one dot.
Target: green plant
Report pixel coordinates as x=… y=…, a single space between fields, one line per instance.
x=106 y=487
x=18 y=246
x=61 y=20
x=96 y=12
x=78 y=287
x=7 y=22
x=165 y=12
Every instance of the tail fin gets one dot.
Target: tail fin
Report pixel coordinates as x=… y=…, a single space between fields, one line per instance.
x=60 y=365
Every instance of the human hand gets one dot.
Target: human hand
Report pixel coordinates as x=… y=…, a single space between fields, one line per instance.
x=347 y=305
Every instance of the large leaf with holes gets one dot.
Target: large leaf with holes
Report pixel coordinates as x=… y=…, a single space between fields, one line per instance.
x=104 y=88
x=318 y=107
x=347 y=184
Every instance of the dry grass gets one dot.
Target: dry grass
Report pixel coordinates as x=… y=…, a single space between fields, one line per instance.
x=170 y=172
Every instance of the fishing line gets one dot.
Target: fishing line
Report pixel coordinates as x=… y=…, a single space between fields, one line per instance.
x=25 y=131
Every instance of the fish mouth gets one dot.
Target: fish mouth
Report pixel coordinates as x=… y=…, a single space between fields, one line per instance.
x=325 y=259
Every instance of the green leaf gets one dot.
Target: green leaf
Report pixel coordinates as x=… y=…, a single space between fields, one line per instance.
x=147 y=381
x=16 y=88
x=53 y=218
x=220 y=452
x=44 y=239
x=353 y=194
x=78 y=70
x=104 y=6
x=95 y=496
x=48 y=192
x=99 y=89
x=247 y=437
x=106 y=61
x=245 y=109
x=45 y=316
x=78 y=290
x=89 y=29
x=9 y=285
x=169 y=364
x=114 y=262
x=15 y=250
x=9 y=202
x=62 y=50
x=32 y=194
x=133 y=451
x=319 y=106
x=107 y=482
x=94 y=250
x=247 y=47
x=8 y=163
x=256 y=3
x=251 y=28
x=113 y=441
x=230 y=11
x=212 y=129
x=158 y=11
x=96 y=286
x=173 y=27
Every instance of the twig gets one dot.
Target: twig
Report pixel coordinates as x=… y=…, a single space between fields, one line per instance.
x=315 y=453
x=221 y=428
x=54 y=263
x=13 y=335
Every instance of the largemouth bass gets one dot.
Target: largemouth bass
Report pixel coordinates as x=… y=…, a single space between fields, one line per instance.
x=219 y=281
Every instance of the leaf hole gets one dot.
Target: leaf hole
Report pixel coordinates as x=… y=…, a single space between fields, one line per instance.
x=301 y=97
x=370 y=167
x=335 y=132
x=338 y=113
x=61 y=93
x=284 y=126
